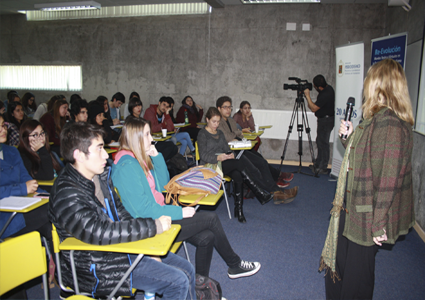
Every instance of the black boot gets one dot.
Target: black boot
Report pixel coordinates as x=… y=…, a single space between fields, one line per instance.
x=238 y=196
x=261 y=195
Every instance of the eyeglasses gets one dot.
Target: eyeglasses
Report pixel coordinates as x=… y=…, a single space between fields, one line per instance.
x=36 y=135
x=227 y=107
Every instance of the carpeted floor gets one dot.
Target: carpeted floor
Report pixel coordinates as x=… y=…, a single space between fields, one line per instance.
x=288 y=238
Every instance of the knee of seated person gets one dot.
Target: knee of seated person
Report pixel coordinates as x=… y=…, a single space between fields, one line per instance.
x=207 y=239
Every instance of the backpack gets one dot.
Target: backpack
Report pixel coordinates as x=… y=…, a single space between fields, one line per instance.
x=207 y=288
x=197 y=180
x=176 y=165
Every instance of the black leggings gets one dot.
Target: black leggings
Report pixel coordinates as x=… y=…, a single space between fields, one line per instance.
x=205 y=232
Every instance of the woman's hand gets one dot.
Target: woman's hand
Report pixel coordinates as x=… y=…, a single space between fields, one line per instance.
x=115 y=121
x=246 y=130
x=224 y=156
x=165 y=222
x=188 y=212
x=36 y=144
x=152 y=151
x=378 y=239
x=343 y=128
x=198 y=106
x=32 y=186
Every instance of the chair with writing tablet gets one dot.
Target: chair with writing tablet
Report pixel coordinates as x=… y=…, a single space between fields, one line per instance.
x=158 y=245
x=22 y=259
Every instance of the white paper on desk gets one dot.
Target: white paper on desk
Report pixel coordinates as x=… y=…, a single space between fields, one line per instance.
x=115 y=144
x=240 y=144
x=116 y=126
x=18 y=203
x=179 y=124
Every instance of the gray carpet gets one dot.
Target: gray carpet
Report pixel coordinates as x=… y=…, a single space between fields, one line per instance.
x=287 y=239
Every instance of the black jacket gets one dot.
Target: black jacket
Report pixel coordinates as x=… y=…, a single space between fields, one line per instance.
x=76 y=212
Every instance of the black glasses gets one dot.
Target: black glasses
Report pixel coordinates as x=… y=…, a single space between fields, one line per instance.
x=36 y=135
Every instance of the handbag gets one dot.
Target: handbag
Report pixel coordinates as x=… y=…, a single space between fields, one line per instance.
x=198 y=180
x=207 y=288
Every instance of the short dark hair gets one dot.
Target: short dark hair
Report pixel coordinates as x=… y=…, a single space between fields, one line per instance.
x=133 y=103
x=134 y=94
x=118 y=97
x=319 y=81
x=220 y=101
x=79 y=136
x=76 y=107
x=73 y=98
x=169 y=100
x=212 y=112
x=162 y=99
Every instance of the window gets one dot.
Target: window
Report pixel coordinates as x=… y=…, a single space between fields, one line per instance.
x=48 y=78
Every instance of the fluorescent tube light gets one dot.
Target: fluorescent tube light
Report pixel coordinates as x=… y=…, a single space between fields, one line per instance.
x=80 y=5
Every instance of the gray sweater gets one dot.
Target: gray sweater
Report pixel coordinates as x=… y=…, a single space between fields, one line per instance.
x=210 y=144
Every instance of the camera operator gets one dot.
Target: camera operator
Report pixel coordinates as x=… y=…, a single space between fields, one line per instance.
x=324 y=110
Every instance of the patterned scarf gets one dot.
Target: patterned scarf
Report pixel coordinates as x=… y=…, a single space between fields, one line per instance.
x=328 y=257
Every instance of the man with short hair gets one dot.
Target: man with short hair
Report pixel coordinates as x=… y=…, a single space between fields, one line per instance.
x=231 y=132
x=114 y=107
x=324 y=110
x=84 y=205
x=78 y=111
x=158 y=115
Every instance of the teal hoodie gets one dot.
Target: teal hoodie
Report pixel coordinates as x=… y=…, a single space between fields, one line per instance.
x=130 y=180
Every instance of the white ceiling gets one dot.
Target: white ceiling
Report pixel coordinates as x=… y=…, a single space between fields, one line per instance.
x=12 y=6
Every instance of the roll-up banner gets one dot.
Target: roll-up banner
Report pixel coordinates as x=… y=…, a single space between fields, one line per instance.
x=349 y=83
x=392 y=46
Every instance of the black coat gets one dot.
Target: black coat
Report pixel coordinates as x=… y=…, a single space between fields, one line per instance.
x=76 y=212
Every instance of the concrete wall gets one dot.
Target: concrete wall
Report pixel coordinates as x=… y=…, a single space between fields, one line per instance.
x=413 y=22
x=244 y=52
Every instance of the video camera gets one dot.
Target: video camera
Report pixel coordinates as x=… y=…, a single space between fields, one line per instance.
x=301 y=86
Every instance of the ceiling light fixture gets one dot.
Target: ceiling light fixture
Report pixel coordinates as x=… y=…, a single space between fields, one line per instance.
x=278 y=1
x=80 y=5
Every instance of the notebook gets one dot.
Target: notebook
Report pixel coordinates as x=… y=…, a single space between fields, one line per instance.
x=18 y=203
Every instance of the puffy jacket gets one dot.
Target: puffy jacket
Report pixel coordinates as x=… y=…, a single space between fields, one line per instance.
x=76 y=212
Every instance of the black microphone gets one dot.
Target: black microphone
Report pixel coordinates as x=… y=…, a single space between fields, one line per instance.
x=349 y=112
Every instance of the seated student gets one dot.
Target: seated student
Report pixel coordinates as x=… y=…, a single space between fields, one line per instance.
x=84 y=205
x=213 y=149
x=135 y=107
x=29 y=105
x=79 y=110
x=12 y=96
x=139 y=172
x=103 y=101
x=158 y=115
x=229 y=128
x=15 y=181
x=194 y=113
x=96 y=116
x=245 y=120
x=54 y=121
x=15 y=117
x=127 y=111
x=114 y=107
x=45 y=107
x=35 y=152
x=182 y=137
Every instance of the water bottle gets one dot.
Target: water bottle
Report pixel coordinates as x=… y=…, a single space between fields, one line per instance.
x=186 y=118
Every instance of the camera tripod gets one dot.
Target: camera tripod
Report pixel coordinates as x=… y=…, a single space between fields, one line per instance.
x=301 y=123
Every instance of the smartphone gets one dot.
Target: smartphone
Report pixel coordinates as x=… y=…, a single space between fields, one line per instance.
x=229 y=152
x=42 y=195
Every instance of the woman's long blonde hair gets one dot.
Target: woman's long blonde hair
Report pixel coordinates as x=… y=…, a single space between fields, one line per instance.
x=132 y=139
x=386 y=86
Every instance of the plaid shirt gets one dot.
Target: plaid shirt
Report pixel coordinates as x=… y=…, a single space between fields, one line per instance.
x=13 y=139
x=379 y=180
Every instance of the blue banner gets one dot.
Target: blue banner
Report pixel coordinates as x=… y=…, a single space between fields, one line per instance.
x=393 y=46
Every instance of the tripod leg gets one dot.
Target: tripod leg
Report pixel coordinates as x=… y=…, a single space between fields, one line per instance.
x=291 y=124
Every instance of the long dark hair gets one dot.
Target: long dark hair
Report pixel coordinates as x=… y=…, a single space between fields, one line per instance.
x=10 y=109
x=25 y=98
x=59 y=121
x=195 y=109
x=24 y=146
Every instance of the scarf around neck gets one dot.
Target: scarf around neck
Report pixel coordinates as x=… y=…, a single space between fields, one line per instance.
x=328 y=257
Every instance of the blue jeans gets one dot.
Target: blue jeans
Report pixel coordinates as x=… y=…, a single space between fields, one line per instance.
x=184 y=139
x=173 y=278
x=324 y=128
